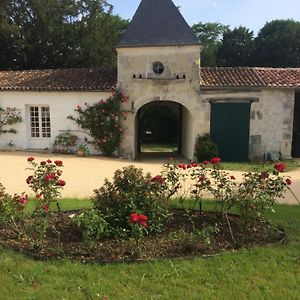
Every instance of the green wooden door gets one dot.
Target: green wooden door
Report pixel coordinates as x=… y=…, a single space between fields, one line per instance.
x=230 y=130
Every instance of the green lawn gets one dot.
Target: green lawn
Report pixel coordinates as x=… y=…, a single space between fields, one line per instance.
x=261 y=273
x=291 y=164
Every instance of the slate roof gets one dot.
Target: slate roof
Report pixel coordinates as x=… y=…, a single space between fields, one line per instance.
x=158 y=23
x=250 y=77
x=59 y=80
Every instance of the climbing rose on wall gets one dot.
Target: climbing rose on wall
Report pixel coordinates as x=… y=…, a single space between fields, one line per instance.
x=101 y=121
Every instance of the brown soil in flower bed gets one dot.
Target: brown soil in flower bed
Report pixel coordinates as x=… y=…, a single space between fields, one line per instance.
x=66 y=240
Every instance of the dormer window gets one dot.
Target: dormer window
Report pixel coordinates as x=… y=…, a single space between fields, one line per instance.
x=158 y=67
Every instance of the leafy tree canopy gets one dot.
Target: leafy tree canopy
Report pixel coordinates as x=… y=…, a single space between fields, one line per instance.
x=237 y=48
x=209 y=34
x=278 y=44
x=58 y=33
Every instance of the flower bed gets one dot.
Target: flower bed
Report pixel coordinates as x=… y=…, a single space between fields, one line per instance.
x=132 y=216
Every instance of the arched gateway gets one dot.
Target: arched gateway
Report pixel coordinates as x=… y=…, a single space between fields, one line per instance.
x=158 y=65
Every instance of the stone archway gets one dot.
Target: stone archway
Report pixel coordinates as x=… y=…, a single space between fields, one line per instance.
x=181 y=137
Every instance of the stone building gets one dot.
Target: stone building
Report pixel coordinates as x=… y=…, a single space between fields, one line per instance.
x=251 y=113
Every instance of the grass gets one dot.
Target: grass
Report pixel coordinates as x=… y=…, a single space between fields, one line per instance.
x=259 y=273
x=159 y=148
x=291 y=165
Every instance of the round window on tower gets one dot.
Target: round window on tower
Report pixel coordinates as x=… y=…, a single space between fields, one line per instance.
x=158 y=67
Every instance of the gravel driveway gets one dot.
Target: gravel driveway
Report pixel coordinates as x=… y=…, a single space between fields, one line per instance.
x=83 y=175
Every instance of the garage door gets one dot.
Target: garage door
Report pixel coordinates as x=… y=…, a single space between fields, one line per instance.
x=230 y=130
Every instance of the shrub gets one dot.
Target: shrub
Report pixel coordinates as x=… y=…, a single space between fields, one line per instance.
x=45 y=183
x=92 y=225
x=205 y=149
x=101 y=121
x=131 y=192
x=12 y=210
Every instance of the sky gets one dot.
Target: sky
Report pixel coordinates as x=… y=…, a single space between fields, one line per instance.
x=250 y=13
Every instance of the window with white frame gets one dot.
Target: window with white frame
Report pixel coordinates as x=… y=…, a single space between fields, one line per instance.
x=40 y=126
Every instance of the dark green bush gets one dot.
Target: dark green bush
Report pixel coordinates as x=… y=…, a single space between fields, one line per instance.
x=132 y=192
x=205 y=149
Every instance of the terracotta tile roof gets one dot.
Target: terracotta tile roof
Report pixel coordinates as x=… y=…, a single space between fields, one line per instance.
x=250 y=77
x=59 y=80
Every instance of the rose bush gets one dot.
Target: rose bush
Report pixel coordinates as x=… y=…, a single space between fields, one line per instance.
x=101 y=121
x=45 y=182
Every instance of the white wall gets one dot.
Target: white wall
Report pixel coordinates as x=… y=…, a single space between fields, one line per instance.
x=62 y=104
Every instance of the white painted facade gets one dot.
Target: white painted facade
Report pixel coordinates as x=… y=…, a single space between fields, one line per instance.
x=61 y=105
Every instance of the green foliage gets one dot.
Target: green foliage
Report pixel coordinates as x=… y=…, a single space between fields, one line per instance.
x=101 y=121
x=9 y=116
x=58 y=34
x=237 y=48
x=209 y=34
x=132 y=192
x=12 y=210
x=92 y=225
x=205 y=149
x=45 y=182
x=278 y=44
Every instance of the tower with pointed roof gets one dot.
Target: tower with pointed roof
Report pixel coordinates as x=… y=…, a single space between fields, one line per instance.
x=159 y=63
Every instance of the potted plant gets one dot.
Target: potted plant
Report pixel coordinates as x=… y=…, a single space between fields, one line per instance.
x=82 y=150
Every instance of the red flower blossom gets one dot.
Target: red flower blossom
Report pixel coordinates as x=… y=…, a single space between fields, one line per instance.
x=143 y=218
x=49 y=161
x=59 y=163
x=215 y=160
x=134 y=218
x=59 y=173
x=30 y=158
x=24 y=199
x=202 y=178
x=29 y=179
x=46 y=208
x=264 y=175
x=43 y=163
x=182 y=166
x=206 y=162
x=195 y=165
x=61 y=183
x=38 y=196
x=288 y=181
x=143 y=224
x=49 y=177
x=280 y=167
x=232 y=177
x=158 y=179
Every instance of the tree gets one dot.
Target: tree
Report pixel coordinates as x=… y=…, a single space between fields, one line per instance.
x=209 y=34
x=278 y=44
x=58 y=33
x=237 y=48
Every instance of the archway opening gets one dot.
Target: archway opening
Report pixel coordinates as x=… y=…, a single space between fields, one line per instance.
x=159 y=126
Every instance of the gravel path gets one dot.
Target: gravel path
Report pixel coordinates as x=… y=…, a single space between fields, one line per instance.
x=83 y=175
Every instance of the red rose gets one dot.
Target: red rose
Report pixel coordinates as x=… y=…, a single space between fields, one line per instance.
x=43 y=163
x=134 y=218
x=30 y=158
x=280 y=167
x=29 y=179
x=288 y=181
x=182 y=166
x=24 y=199
x=59 y=173
x=202 y=178
x=144 y=224
x=60 y=183
x=206 y=162
x=215 y=160
x=59 y=163
x=49 y=161
x=158 y=179
x=195 y=165
x=264 y=175
x=46 y=208
x=142 y=218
